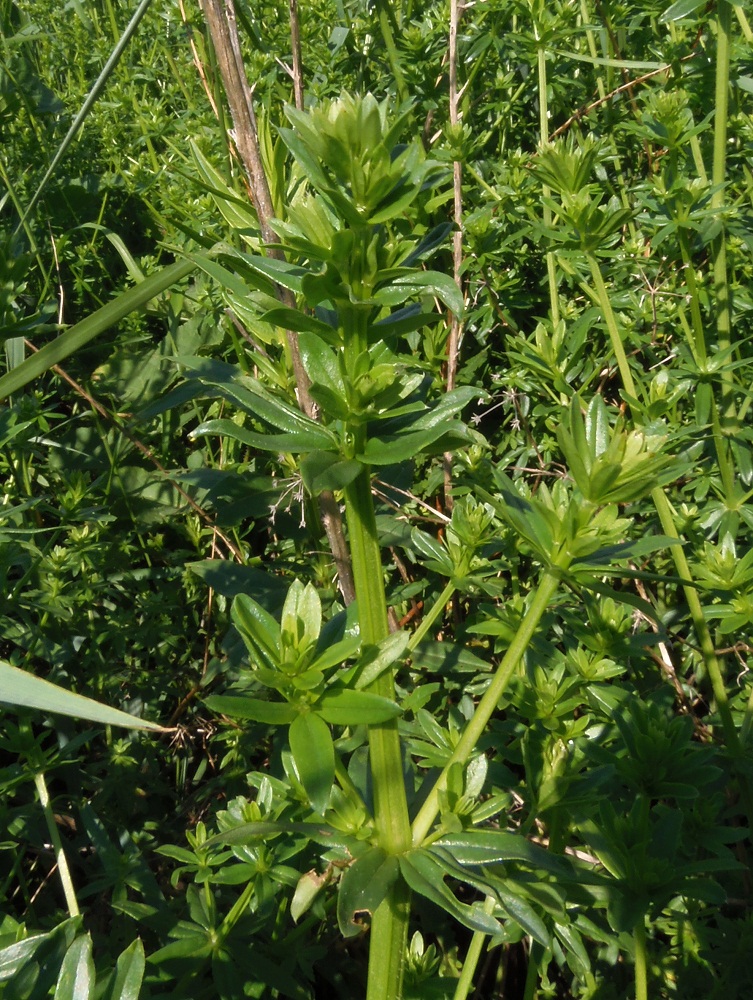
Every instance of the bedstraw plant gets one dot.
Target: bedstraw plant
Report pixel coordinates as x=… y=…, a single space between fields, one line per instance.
x=518 y=761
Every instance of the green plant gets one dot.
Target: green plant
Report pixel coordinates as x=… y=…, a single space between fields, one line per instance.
x=500 y=740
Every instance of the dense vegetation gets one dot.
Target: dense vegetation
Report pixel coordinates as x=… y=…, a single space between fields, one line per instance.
x=502 y=342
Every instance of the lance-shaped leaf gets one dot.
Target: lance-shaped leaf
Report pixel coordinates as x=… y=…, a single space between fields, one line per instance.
x=25 y=690
x=314 y=755
x=275 y=713
x=326 y=470
x=434 y=283
x=425 y=876
x=486 y=847
x=259 y=631
x=355 y=708
x=76 y=979
x=314 y=439
x=80 y=334
x=129 y=972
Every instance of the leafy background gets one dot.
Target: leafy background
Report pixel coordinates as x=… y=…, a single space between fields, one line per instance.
x=124 y=539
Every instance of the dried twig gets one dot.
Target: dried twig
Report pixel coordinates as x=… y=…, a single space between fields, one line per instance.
x=453 y=344
x=220 y=16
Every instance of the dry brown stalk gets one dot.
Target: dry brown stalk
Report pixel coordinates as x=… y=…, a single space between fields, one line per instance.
x=220 y=17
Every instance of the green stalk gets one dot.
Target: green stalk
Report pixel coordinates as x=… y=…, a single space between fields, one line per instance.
x=641 y=964
x=551 y=270
x=428 y=620
x=63 y=870
x=718 y=175
x=389 y=926
x=476 y=727
x=708 y=652
x=387 y=24
x=664 y=511
x=612 y=328
x=697 y=345
x=472 y=956
x=532 y=972
x=390 y=804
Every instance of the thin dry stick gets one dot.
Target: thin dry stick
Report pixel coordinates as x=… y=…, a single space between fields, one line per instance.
x=295 y=42
x=586 y=110
x=198 y=63
x=220 y=16
x=453 y=343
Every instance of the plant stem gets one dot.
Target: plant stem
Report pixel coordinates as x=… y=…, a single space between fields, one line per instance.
x=390 y=804
x=472 y=956
x=547 y=588
x=718 y=175
x=453 y=342
x=64 y=871
x=387 y=24
x=612 y=328
x=387 y=945
x=641 y=965
x=428 y=620
x=532 y=974
x=389 y=925
x=551 y=270
x=708 y=652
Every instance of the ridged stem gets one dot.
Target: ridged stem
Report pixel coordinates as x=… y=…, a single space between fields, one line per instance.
x=487 y=706
x=389 y=926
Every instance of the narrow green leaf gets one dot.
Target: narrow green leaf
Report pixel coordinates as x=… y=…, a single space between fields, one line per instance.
x=16 y=956
x=423 y=283
x=25 y=690
x=129 y=973
x=325 y=470
x=426 y=877
x=300 y=322
x=289 y=276
x=481 y=847
x=680 y=9
x=276 y=713
x=193 y=946
x=80 y=334
x=314 y=756
x=355 y=708
x=76 y=979
x=258 y=629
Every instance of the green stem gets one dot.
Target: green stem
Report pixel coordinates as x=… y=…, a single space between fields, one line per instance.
x=389 y=926
x=63 y=870
x=710 y=659
x=612 y=328
x=718 y=175
x=236 y=912
x=387 y=24
x=434 y=612
x=390 y=804
x=551 y=270
x=472 y=956
x=698 y=343
x=547 y=588
x=387 y=945
x=641 y=964
x=532 y=973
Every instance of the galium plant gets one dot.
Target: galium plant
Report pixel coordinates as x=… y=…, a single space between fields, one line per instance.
x=389 y=772
x=354 y=271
